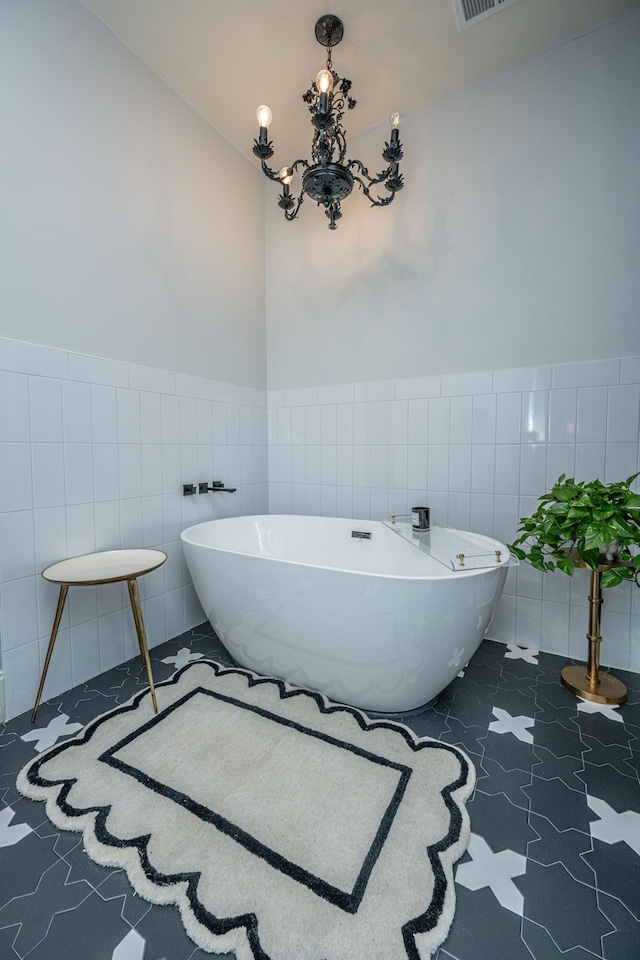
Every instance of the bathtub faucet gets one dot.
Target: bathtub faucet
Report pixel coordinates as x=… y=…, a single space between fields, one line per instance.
x=217 y=486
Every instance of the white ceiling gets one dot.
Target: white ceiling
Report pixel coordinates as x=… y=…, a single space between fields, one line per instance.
x=225 y=57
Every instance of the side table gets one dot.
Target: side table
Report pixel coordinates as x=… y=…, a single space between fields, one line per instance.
x=111 y=566
x=594 y=685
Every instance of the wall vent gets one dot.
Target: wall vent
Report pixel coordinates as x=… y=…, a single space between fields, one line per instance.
x=470 y=11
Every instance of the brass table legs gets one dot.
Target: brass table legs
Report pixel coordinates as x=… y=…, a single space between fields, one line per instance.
x=594 y=685
x=64 y=589
x=134 y=596
x=136 y=608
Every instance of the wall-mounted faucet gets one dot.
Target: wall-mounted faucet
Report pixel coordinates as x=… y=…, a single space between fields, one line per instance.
x=217 y=486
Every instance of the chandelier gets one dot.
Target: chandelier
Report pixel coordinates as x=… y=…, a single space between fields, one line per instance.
x=329 y=178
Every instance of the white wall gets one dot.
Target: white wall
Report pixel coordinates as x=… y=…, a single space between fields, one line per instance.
x=132 y=241
x=130 y=228
x=515 y=241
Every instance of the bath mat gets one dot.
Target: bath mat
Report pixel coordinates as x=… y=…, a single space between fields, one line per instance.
x=282 y=825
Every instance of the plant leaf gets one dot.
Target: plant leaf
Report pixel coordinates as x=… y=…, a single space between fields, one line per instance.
x=567 y=565
x=602 y=513
x=590 y=557
x=610 y=578
x=596 y=534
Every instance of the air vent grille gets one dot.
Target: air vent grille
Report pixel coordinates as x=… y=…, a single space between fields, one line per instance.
x=470 y=11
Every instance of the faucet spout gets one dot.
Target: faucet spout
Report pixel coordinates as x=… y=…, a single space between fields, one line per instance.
x=217 y=486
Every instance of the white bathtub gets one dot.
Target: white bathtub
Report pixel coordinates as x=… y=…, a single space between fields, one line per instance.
x=373 y=623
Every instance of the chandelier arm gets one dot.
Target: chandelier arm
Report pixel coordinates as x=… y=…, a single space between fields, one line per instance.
x=292 y=214
x=375 y=201
x=341 y=140
x=357 y=164
x=275 y=174
x=268 y=172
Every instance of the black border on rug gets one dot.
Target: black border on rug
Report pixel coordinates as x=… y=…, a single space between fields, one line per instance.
x=349 y=901
x=221 y=925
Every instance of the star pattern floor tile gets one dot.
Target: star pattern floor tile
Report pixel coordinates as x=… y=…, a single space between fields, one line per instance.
x=551 y=872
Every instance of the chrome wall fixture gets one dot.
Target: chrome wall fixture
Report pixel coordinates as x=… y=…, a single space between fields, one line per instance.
x=329 y=177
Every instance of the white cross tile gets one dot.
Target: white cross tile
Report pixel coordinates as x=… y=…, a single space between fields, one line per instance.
x=614 y=827
x=130 y=948
x=45 y=737
x=183 y=657
x=505 y=723
x=588 y=706
x=10 y=835
x=529 y=654
x=494 y=870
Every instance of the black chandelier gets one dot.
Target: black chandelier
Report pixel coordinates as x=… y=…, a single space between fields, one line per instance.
x=329 y=178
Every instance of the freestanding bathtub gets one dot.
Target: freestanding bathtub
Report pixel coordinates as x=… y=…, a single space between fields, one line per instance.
x=375 y=623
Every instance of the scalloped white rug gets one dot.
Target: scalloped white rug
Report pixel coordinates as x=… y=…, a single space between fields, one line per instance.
x=282 y=825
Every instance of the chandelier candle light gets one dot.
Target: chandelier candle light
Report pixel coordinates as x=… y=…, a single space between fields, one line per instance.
x=329 y=178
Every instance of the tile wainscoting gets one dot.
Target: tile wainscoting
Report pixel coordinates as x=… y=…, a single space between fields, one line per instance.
x=93 y=455
x=479 y=449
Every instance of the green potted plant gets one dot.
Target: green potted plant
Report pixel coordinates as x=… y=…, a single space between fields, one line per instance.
x=592 y=522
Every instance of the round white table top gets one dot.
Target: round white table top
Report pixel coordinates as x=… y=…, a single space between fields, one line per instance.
x=107 y=567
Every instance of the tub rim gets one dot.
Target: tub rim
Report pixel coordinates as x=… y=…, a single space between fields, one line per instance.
x=446 y=574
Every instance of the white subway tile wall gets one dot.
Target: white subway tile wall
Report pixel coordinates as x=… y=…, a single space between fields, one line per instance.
x=479 y=449
x=93 y=455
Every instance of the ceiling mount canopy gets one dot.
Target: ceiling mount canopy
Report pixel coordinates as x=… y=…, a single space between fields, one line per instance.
x=329 y=177
x=329 y=30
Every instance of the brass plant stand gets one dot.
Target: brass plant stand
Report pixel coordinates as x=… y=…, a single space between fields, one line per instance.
x=594 y=685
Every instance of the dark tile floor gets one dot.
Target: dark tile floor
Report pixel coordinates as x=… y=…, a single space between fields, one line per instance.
x=553 y=866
